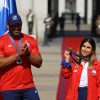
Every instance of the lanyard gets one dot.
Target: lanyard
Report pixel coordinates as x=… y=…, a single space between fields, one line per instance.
x=14 y=44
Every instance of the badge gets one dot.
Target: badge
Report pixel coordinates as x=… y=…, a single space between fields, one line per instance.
x=75 y=70
x=93 y=72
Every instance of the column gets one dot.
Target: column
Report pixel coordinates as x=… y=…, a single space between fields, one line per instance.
x=40 y=10
x=89 y=10
x=80 y=7
x=61 y=6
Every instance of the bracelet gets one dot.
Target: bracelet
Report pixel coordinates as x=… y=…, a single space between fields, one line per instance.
x=27 y=54
x=66 y=64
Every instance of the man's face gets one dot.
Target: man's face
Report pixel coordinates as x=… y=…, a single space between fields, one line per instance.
x=15 y=30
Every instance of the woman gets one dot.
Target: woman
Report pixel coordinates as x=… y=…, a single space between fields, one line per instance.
x=83 y=71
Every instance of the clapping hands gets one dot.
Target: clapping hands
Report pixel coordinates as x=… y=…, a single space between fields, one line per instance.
x=23 y=49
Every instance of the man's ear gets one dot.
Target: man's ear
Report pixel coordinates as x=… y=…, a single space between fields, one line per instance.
x=7 y=25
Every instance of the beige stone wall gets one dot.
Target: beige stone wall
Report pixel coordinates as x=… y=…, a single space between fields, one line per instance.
x=39 y=8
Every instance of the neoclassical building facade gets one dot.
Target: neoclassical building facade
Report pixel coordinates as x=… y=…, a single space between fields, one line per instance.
x=41 y=8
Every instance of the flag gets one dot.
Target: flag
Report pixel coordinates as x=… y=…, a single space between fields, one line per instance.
x=6 y=7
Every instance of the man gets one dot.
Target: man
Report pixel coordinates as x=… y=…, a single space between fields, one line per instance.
x=30 y=20
x=48 y=23
x=18 y=52
x=78 y=22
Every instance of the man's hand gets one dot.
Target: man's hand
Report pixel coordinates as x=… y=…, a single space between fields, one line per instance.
x=23 y=49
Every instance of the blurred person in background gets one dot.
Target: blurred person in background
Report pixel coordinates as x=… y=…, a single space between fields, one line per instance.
x=78 y=22
x=18 y=52
x=30 y=21
x=83 y=72
x=48 y=23
x=62 y=24
x=98 y=27
x=53 y=32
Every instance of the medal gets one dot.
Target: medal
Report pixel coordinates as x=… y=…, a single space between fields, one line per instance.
x=19 y=61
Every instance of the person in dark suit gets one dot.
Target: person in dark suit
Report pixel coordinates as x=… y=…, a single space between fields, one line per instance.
x=78 y=20
x=62 y=24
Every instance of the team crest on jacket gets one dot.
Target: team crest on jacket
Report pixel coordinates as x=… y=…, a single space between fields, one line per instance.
x=75 y=70
x=93 y=72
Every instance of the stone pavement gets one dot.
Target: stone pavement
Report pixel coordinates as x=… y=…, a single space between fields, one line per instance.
x=46 y=78
x=84 y=27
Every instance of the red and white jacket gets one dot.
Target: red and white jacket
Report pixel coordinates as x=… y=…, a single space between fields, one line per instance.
x=93 y=81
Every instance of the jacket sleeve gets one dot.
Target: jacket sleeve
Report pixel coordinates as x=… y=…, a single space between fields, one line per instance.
x=98 y=79
x=66 y=72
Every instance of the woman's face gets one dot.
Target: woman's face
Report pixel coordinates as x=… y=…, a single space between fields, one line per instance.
x=86 y=49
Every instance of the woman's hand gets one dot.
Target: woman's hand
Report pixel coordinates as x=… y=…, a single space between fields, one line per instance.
x=67 y=55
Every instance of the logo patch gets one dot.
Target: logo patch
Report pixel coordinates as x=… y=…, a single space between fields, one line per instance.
x=75 y=70
x=9 y=45
x=93 y=72
x=14 y=17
